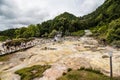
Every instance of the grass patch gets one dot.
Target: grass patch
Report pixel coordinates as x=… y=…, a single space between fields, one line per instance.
x=5 y=57
x=90 y=70
x=32 y=72
x=85 y=74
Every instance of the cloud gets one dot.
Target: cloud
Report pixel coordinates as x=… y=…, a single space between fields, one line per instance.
x=18 y=13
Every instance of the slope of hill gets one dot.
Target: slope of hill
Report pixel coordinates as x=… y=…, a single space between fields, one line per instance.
x=104 y=22
x=66 y=23
x=67 y=16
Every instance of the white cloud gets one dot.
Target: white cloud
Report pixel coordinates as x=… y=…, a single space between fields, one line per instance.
x=16 y=13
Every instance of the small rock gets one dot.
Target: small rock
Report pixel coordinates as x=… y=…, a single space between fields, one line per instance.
x=105 y=56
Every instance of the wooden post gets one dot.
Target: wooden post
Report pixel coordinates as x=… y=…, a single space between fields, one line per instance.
x=110 y=49
x=111 y=72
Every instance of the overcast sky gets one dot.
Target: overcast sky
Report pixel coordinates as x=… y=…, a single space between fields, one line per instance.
x=19 y=13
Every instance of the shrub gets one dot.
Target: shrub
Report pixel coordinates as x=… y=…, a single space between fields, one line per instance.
x=69 y=69
x=3 y=38
x=64 y=73
x=45 y=35
x=116 y=43
x=52 y=34
x=78 y=33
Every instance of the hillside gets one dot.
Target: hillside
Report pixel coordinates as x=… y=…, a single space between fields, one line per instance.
x=66 y=23
x=104 y=23
x=67 y=16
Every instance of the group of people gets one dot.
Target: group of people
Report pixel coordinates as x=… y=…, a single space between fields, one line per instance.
x=11 y=46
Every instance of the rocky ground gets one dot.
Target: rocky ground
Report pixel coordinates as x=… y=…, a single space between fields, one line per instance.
x=72 y=53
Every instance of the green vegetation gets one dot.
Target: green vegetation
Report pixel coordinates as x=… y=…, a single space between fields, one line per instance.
x=104 y=22
x=110 y=32
x=3 y=38
x=78 y=33
x=53 y=33
x=65 y=23
x=85 y=74
x=32 y=72
x=5 y=57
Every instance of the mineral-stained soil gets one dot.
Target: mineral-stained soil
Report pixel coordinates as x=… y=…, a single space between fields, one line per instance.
x=71 y=53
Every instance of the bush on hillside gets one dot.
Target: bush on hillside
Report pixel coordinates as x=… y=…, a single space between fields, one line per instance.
x=78 y=33
x=116 y=43
x=3 y=38
x=52 y=34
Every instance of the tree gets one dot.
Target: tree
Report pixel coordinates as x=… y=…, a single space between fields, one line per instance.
x=19 y=32
x=53 y=33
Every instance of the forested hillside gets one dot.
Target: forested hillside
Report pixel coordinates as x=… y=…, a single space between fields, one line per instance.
x=66 y=23
x=104 y=23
